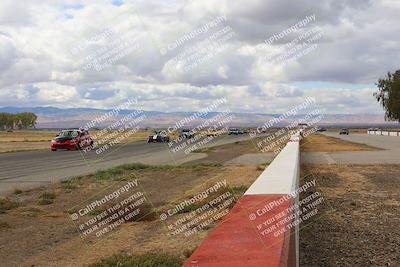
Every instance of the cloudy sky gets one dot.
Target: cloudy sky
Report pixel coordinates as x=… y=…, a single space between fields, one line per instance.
x=180 y=55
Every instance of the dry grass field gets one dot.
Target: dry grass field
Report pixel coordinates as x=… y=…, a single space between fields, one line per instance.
x=27 y=136
x=322 y=143
x=25 y=140
x=356 y=225
x=36 y=228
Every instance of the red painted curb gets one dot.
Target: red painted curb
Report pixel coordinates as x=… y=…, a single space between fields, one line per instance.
x=239 y=241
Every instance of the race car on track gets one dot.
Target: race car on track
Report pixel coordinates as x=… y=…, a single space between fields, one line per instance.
x=186 y=134
x=234 y=132
x=211 y=133
x=158 y=137
x=344 y=131
x=72 y=139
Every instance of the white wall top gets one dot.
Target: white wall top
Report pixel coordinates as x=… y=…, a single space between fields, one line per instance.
x=281 y=175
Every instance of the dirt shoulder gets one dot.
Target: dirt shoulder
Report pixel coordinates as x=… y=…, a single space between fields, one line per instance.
x=357 y=223
x=322 y=143
x=224 y=153
x=36 y=227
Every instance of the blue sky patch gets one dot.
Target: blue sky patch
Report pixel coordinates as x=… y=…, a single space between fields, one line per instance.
x=73 y=6
x=117 y=2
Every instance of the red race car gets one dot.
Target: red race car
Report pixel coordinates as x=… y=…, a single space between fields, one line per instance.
x=73 y=139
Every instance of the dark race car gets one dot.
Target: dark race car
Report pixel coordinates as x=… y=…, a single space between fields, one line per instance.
x=234 y=132
x=186 y=133
x=72 y=139
x=158 y=137
x=344 y=131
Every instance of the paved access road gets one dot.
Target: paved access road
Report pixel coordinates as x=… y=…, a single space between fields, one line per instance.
x=34 y=168
x=389 y=155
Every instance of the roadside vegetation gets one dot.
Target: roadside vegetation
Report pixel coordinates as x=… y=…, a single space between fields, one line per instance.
x=18 y=191
x=123 y=172
x=145 y=260
x=40 y=219
x=47 y=198
x=7 y=204
x=239 y=190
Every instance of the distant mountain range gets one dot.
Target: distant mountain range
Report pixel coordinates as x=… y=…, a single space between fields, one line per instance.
x=51 y=117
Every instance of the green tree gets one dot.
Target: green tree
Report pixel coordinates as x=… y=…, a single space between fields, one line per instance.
x=388 y=95
x=25 y=120
x=10 y=121
x=3 y=121
x=22 y=120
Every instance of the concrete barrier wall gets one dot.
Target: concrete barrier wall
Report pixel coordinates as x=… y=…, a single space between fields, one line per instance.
x=384 y=133
x=237 y=241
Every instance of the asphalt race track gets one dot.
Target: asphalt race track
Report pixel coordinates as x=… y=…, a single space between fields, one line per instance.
x=34 y=168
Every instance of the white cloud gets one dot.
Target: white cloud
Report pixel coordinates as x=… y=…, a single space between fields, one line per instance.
x=37 y=38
